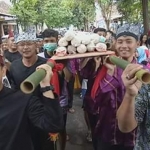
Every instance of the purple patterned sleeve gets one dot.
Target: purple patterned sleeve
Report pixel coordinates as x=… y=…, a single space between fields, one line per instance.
x=108 y=83
x=88 y=71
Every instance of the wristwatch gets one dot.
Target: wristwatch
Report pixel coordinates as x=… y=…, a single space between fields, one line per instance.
x=47 y=88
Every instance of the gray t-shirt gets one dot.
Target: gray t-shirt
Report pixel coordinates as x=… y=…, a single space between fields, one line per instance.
x=142 y=112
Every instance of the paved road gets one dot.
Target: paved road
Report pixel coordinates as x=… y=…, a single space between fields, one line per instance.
x=77 y=129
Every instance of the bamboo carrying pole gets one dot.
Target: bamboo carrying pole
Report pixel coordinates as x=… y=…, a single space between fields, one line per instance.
x=30 y=84
x=142 y=75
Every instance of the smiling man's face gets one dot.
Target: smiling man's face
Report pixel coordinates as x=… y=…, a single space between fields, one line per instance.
x=126 y=46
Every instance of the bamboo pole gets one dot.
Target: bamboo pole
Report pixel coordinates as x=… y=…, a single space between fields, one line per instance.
x=29 y=85
x=142 y=75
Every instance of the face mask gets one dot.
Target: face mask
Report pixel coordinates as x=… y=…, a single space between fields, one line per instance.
x=102 y=39
x=50 y=47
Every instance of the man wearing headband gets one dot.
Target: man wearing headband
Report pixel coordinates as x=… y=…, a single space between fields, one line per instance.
x=24 y=67
x=135 y=109
x=108 y=92
x=19 y=111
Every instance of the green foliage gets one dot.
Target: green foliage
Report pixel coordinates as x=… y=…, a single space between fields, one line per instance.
x=83 y=12
x=131 y=10
x=25 y=12
x=55 y=13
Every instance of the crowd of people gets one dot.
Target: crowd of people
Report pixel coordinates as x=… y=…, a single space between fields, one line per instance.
x=116 y=104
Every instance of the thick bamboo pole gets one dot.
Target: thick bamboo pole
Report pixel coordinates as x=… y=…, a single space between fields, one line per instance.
x=142 y=75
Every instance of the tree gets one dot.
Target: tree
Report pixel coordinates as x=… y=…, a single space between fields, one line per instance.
x=136 y=12
x=25 y=12
x=83 y=12
x=55 y=14
x=106 y=7
x=145 y=16
x=131 y=13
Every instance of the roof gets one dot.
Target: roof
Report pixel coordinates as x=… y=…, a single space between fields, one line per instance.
x=5 y=8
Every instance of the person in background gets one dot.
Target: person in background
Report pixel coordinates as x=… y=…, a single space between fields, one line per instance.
x=100 y=31
x=4 y=46
x=39 y=45
x=109 y=35
x=73 y=66
x=85 y=70
x=142 y=50
x=89 y=70
x=19 y=112
x=50 y=40
x=12 y=53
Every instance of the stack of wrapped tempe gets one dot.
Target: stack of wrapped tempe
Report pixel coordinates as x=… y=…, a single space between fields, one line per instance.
x=73 y=43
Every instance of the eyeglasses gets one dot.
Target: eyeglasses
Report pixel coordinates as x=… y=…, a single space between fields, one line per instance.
x=26 y=43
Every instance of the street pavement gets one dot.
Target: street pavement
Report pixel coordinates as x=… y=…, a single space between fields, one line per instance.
x=76 y=128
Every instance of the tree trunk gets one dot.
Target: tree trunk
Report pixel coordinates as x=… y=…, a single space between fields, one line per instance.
x=107 y=24
x=145 y=16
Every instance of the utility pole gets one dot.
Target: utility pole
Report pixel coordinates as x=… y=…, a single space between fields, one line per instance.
x=145 y=16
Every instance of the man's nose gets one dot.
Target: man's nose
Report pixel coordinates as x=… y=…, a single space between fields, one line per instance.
x=124 y=44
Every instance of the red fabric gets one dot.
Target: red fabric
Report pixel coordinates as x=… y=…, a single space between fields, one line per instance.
x=11 y=34
x=101 y=74
x=147 y=53
x=55 y=80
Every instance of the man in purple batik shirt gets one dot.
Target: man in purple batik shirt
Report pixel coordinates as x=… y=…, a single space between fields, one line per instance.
x=109 y=97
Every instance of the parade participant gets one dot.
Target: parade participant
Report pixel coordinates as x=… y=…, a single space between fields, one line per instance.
x=109 y=36
x=89 y=74
x=50 y=39
x=89 y=69
x=12 y=53
x=135 y=108
x=18 y=111
x=100 y=31
x=108 y=92
x=4 y=44
x=24 y=67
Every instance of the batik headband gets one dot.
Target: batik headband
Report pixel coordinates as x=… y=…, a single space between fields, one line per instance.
x=28 y=35
x=129 y=30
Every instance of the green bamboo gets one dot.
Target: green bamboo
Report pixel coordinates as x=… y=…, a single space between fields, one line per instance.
x=142 y=75
x=29 y=85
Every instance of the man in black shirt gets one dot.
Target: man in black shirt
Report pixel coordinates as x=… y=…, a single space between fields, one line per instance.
x=20 y=70
x=18 y=111
x=12 y=53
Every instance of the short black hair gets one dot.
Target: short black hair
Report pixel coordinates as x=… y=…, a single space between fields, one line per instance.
x=96 y=30
x=110 y=32
x=50 y=33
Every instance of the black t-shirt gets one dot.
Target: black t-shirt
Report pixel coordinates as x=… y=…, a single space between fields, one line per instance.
x=18 y=111
x=12 y=56
x=19 y=72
